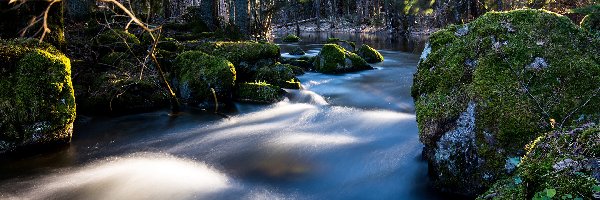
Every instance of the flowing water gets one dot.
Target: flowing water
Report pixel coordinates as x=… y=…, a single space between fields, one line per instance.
x=351 y=136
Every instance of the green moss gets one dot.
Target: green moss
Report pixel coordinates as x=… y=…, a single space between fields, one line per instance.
x=335 y=59
x=116 y=40
x=369 y=54
x=114 y=58
x=291 y=38
x=170 y=44
x=258 y=92
x=37 y=104
x=297 y=52
x=521 y=69
x=198 y=72
x=193 y=36
x=591 y=23
x=237 y=52
x=562 y=161
x=279 y=75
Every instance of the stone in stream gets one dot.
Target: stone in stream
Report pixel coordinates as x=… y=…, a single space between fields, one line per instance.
x=37 y=105
x=281 y=75
x=481 y=94
x=333 y=59
x=369 y=54
x=258 y=92
x=297 y=52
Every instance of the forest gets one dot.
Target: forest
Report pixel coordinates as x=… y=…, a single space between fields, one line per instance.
x=300 y=99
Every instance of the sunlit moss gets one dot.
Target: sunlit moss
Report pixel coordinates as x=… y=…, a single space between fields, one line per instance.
x=37 y=103
x=369 y=54
x=335 y=59
x=237 y=52
x=291 y=38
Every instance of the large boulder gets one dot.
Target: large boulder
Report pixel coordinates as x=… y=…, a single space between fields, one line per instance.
x=485 y=89
x=199 y=74
x=564 y=164
x=37 y=105
x=334 y=59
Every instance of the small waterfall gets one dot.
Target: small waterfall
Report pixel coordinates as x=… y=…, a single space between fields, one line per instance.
x=306 y=96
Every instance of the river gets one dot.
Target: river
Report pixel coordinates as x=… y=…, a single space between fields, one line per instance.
x=351 y=136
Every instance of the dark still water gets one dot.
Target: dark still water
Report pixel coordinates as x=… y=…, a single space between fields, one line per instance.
x=351 y=136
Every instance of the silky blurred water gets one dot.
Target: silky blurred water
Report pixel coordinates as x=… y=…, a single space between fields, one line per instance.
x=351 y=136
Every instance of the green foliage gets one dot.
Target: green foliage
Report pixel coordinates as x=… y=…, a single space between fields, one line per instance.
x=369 y=54
x=37 y=104
x=291 y=38
x=198 y=72
x=259 y=92
x=521 y=68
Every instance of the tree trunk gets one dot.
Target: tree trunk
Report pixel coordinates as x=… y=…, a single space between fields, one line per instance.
x=242 y=20
x=318 y=10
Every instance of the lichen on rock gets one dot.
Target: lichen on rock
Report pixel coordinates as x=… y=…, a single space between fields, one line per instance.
x=524 y=70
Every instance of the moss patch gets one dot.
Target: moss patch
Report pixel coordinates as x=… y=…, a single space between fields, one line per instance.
x=334 y=59
x=259 y=92
x=281 y=75
x=369 y=54
x=198 y=72
x=521 y=69
x=564 y=161
x=37 y=105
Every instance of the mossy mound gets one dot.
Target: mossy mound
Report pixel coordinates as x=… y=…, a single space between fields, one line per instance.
x=484 y=90
x=297 y=52
x=37 y=104
x=591 y=23
x=259 y=92
x=304 y=63
x=198 y=74
x=562 y=164
x=281 y=75
x=290 y=38
x=116 y=40
x=334 y=59
x=369 y=54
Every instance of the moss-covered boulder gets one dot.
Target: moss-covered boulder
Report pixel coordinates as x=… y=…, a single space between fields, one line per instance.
x=199 y=74
x=297 y=52
x=281 y=75
x=564 y=164
x=591 y=23
x=258 y=92
x=37 y=105
x=290 y=38
x=334 y=59
x=484 y=90
x=369 y=54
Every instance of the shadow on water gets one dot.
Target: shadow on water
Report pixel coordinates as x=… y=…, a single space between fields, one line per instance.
x=351 y=136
